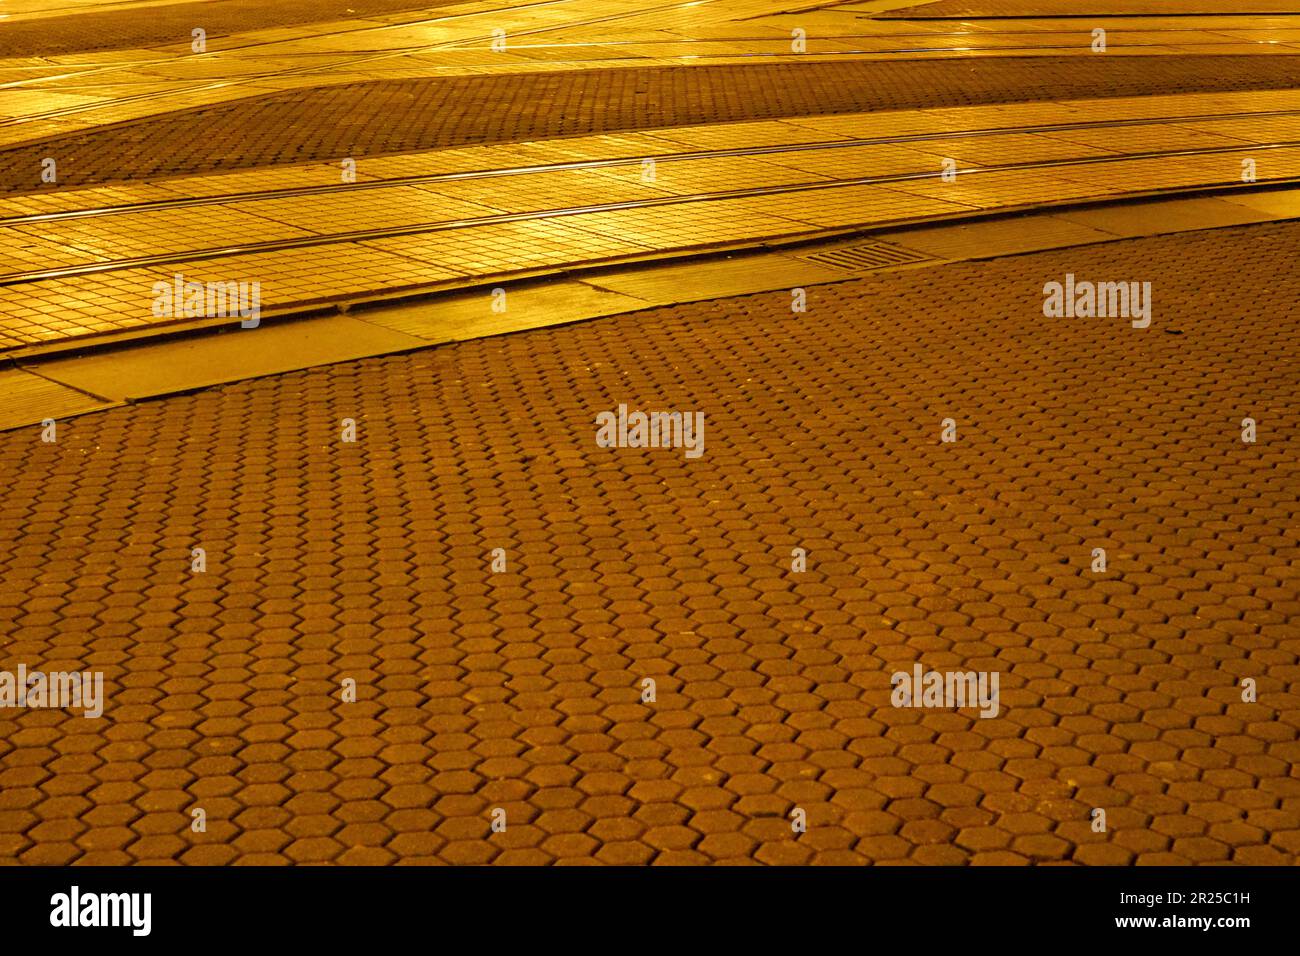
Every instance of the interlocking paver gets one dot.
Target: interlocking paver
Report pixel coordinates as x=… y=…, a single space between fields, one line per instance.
x=170 y=23
x=522 y=690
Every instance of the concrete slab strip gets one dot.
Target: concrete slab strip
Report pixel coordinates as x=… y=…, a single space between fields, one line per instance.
x=169 y=366
x=29 y=399
x=77 y=384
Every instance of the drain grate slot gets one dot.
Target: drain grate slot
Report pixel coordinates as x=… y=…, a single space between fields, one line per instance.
x=866 y=258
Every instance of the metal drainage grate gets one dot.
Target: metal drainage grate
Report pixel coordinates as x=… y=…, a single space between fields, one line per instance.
x=873 y=255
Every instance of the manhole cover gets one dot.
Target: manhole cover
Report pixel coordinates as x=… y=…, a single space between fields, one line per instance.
x=865 y=258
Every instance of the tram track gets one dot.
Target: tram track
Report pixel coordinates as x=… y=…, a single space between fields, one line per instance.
x=365 y=58
x=732 y=152
x=347 y=63
x=275 y=245
x=253 y=45
x=715 y=58
x=226 y=52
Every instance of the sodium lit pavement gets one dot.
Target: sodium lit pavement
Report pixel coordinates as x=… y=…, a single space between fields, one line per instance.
x=611 y=430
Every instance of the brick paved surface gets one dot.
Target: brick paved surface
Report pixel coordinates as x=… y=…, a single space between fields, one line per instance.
x=169 y=24
x=1083 y=8
x=368 y=119
x=521 y=690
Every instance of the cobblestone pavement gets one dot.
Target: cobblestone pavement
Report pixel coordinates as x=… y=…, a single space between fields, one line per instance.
x=522 y=690
x=958 y=9
x=133 y=27
x=370 y=119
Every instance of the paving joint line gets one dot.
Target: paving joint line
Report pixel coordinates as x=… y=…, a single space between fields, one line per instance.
x=276 y=245
x=741 y=151
x=357 y=304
